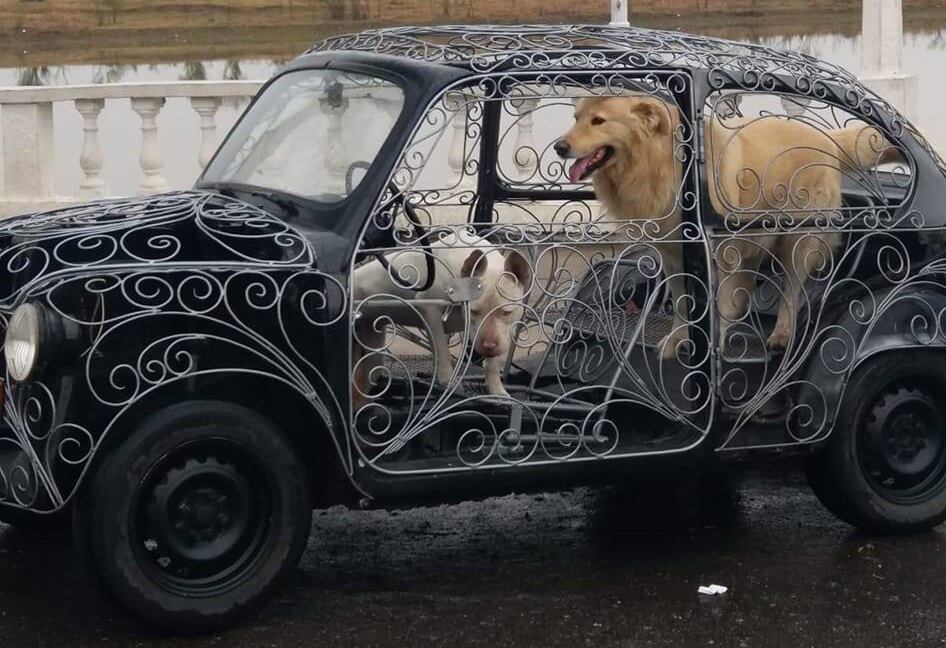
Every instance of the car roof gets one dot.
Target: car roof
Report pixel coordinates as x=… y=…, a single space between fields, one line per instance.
x=478 y=49
x=486 y=48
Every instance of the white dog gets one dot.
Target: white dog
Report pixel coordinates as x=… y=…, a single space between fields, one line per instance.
x=504 y=280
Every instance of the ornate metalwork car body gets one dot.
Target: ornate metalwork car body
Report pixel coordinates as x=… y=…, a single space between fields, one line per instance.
x=325 y=283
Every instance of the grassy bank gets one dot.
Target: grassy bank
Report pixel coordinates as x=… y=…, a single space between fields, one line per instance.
x=133 y=32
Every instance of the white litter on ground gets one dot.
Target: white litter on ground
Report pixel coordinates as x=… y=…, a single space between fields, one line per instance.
x=712 y=590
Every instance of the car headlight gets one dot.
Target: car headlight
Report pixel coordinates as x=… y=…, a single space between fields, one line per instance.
x=22 y=344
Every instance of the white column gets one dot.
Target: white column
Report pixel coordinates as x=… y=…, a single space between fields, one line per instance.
x=90 y=159
x=526 y=156
x=882 y=45
x=207 y=108
x=29 y=153
x=150 y=155
x=456 y=158
x=882 y=28
x=619 y=13
x=336 y=158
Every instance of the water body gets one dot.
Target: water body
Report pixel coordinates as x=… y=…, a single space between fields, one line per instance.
x=239 y=53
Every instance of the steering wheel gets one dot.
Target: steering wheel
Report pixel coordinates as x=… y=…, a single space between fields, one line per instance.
x=421 y=234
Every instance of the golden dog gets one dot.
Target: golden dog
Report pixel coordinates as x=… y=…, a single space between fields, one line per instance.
x=768 y=167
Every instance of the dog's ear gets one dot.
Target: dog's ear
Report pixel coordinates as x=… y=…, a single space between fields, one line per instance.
x=517 y=266
x=655 y=115
x=474 y=265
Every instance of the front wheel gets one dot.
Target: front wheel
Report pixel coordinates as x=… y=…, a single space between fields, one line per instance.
x=195 y=518
x=884 y=466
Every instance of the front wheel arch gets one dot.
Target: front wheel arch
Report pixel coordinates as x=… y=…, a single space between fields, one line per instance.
x=196 y=436
x=292 y=413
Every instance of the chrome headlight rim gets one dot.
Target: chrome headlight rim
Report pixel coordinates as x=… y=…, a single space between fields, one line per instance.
x=22 y=344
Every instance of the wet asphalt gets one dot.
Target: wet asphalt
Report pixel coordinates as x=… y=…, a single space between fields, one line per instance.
x=590 y=567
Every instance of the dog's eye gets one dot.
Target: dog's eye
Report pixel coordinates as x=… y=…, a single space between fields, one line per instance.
x=507 y=310
x=475 y=310
x=597 y=121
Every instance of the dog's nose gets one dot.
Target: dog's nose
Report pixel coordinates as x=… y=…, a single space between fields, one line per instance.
x=489 y=348
x=562 y=148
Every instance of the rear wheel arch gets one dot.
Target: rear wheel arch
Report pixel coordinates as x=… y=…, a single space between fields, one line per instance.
x=875 y=491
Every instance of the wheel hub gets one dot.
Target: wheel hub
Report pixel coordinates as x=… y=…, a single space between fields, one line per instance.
x=199 y=518
x=203 y=515
x=903 y=449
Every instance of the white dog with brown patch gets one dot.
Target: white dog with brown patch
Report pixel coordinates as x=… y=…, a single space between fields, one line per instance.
x=504 y=280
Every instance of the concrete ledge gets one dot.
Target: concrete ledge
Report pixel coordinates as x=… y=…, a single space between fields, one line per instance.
x=13 y=208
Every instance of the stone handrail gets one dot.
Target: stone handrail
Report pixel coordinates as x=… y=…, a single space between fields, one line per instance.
x=28 y=152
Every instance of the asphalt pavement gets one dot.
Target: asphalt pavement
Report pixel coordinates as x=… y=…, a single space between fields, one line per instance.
x=590 y=567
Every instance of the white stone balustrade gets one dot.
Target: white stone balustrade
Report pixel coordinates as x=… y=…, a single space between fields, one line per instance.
x=27 y=135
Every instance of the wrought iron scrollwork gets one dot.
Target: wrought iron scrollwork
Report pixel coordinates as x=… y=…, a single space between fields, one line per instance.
x=591 y=324
x=131 y=276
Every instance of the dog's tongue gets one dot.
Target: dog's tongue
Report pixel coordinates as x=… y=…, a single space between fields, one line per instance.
x=578 y=169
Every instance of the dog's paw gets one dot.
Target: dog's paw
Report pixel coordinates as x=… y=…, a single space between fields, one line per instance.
x=444 y=376
x=498 y=390
x=780 y=337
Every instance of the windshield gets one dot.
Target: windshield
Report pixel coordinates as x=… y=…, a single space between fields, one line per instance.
x=312 y=133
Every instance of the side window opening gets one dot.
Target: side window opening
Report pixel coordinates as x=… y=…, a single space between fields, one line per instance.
x=774 y=155
x=579 y=291
x=793 y=185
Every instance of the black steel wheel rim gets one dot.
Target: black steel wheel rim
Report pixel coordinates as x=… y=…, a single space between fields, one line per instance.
x=901 y=445
x=201 y=518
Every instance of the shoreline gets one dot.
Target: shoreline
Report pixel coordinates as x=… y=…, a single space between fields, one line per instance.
x=113 y=44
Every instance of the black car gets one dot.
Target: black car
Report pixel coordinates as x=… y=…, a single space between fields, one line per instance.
x=185 y=372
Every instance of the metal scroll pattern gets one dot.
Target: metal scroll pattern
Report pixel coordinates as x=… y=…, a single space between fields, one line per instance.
x=592 y=353
x=810 y=224
x=487 y=48
x=152 y=314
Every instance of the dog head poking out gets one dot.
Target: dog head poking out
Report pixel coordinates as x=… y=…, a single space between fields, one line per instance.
x=612 y=132
x=506 y=278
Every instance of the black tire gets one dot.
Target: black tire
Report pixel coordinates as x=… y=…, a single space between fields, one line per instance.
x=197 y=517
x=883 y=469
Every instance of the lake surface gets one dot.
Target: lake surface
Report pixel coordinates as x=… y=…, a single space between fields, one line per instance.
x=256 y=54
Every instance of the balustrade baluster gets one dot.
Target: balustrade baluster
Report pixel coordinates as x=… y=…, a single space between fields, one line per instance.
x=456 y=157
x=526 y=156
x=90 y=159
x=336 y=160
x=150 y=155
x=207 y=108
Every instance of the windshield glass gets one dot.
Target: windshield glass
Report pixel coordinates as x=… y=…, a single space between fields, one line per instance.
x=312 y=133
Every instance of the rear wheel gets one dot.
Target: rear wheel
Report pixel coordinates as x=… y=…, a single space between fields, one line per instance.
x=196 y=517
x=884 y=466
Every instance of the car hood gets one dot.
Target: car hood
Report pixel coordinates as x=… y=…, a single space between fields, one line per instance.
x=188 y=227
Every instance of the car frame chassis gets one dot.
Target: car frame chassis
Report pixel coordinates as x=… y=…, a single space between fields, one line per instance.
x=176 y=319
